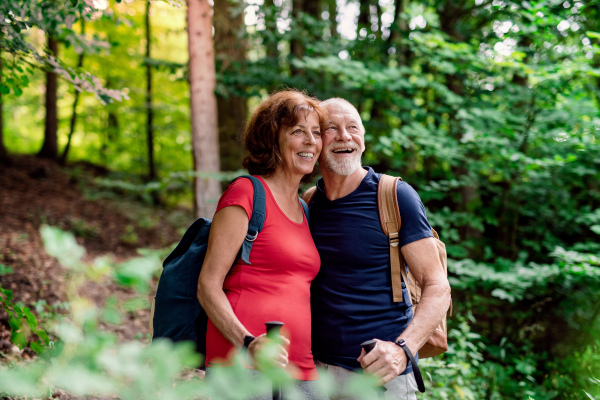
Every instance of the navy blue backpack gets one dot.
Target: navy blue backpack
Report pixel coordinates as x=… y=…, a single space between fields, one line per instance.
x=177 y=313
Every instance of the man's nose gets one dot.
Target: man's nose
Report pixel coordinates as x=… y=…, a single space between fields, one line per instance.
x=343 y=135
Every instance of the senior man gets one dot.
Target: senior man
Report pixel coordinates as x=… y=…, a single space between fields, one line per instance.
x=351 y=298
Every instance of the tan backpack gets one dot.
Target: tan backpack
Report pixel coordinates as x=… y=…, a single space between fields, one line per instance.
x=389 y=217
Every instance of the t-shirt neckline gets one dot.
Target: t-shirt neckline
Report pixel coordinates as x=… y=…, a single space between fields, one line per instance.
x=268 y=190
x=368 y=176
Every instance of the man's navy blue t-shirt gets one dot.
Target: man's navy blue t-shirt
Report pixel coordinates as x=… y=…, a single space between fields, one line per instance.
x=351 y=297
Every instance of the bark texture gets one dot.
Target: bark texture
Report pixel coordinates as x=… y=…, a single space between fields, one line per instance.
x=203 y=104
x=50 y=147
x=73 y=122
x=4 y=158
x=149 y=109
x=232 y=110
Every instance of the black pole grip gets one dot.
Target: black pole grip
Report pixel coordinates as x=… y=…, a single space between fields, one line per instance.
x=368 y=345
x=273 y=328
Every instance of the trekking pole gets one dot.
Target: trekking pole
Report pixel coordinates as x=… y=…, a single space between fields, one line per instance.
x=368 y=346
x=273 y=328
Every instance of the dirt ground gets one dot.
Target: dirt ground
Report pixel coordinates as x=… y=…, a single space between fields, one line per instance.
x=34 y=192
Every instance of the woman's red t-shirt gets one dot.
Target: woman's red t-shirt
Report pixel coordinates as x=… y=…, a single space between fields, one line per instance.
x=274 y=287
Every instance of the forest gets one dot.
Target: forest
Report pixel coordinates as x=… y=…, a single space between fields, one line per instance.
x=120 y=122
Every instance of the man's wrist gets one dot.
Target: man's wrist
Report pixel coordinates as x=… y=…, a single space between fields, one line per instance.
x=417 y=373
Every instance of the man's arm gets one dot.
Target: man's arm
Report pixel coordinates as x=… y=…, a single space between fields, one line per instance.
x=387 y=360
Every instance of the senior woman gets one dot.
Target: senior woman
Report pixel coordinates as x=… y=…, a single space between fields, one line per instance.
x=283 y=139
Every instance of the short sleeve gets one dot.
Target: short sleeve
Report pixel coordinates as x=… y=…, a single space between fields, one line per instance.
x=239 y=193
x=415 y=225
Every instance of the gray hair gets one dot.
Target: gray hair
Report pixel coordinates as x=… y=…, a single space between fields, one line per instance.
x=338 y=101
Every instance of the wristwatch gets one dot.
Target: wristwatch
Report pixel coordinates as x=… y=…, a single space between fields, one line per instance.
x=247 y=340
x=415 y=367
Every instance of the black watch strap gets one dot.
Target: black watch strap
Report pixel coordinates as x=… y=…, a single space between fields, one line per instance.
x=247 y=340
x=415 y=367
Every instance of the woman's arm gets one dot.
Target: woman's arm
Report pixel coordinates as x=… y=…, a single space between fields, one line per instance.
x=227 y=233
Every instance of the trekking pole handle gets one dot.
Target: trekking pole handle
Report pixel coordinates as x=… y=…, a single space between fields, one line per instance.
x=273 y=328
x=368 y=345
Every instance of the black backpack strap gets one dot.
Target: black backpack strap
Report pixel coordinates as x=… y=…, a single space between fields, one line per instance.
x=306 y=212
x=257 y=220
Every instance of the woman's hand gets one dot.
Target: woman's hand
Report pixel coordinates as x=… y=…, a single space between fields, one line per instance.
x=263 y=350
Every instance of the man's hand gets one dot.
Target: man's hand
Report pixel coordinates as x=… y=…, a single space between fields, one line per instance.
x=386 y=361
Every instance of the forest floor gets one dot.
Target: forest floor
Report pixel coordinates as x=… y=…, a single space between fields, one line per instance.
x=34 y=192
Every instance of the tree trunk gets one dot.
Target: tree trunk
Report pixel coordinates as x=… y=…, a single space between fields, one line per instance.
x=312 y=8
x=149 y=110
x=332 y=8
x=233 y=110
x=50 y=147
x=203 y=106
x=271 y=13
x=399 y=33
x=296 y=48
x=364 y=18
x=4 y=159
x=63 y=158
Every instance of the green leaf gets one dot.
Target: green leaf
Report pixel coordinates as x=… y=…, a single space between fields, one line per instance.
x=5 y=269
x=112 y=316
x=7 y=293
x=30 y=319
x=37 y=347
x=43 y=335
x=589 y=395
x=14 y=323
x=595 y=229
x=19 y=339
x=4 y=89
x=62 y=246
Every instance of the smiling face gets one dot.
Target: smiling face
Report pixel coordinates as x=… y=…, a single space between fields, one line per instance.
x=300 y=145
x=343 y=139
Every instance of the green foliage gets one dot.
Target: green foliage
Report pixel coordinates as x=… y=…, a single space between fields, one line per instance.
x=87 y=361
x=23 y=324
x=56 y=20
x=5 y=269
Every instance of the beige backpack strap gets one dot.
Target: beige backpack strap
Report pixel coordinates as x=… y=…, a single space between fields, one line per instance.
x=309 y=194
x=389 y=217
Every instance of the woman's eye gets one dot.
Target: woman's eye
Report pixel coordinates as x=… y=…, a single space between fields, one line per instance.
x=317 y=133
x=330 y=128
x=297 y=131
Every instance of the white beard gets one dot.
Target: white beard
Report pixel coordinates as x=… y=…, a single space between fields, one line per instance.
x=343 y=166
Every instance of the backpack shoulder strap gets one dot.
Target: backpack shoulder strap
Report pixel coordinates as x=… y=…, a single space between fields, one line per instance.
x=306 y=211
x=257 y=220
x=390 y=220
x=309 y=194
